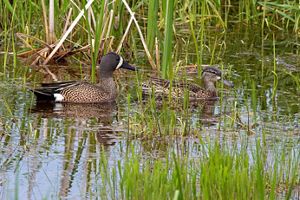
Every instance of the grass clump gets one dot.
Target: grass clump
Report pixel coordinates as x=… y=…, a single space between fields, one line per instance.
x=216 y=172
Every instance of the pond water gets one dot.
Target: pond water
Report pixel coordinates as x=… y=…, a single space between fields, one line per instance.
x=54 y=150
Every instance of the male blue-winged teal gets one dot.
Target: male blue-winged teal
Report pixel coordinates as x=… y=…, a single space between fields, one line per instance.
x=84 y=92
x=210 y=75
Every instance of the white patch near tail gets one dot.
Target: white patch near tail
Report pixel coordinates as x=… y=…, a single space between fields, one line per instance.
x=58 y=97
x=120 y=63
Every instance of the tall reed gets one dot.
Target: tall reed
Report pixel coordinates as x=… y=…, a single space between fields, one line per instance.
x=152 y=23
x=168 y=40
x=97 y=39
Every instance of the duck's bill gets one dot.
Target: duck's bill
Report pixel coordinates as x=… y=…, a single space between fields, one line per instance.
x=228 y=83
x=126 y=65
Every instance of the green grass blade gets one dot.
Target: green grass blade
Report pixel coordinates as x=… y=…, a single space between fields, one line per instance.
x=167 y=51
x=152 y=23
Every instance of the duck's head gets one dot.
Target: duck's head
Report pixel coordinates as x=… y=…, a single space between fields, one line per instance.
x=212 y=75
x=111 y=62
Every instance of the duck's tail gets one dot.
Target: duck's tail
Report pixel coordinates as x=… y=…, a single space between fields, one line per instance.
x=43 y=94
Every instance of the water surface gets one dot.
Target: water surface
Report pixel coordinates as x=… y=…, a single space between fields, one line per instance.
x=50 y=151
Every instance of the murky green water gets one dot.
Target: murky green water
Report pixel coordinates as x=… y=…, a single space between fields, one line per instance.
x=48 y=151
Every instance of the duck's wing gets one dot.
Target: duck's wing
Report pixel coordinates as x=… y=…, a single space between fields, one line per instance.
x=179 y=84
x=189 y=86
x=161 y=87
x=58 y=84
x=47 y=90
x=156 y=85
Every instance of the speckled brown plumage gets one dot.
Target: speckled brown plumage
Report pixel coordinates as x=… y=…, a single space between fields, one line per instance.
x=84 y=92
x=160 y=87
x=87 y=93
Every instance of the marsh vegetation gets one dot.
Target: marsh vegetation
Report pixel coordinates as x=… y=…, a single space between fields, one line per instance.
x=245 y=145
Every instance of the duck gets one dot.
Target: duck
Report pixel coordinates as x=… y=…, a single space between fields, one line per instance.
x=162 y=88
x=85 y=92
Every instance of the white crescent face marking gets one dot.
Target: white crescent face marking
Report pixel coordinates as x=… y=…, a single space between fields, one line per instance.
x=58 y=97
x=120 y=63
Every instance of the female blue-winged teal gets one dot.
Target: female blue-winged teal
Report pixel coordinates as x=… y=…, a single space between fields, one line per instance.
x=84 y=92
x=210 y=75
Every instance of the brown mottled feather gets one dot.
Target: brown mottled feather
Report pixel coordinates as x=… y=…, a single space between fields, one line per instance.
x=84 y=92
x=160 y=87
